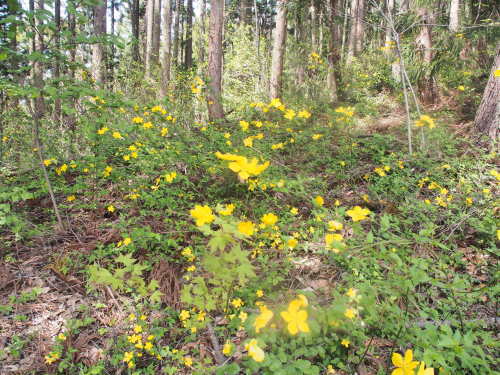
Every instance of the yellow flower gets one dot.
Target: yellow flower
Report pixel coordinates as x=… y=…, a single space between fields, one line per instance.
x=242 y=166
x=351 y=293
x=294 y=210
x=227 y=349
x=102 y=130
x=131 y=317
x=333 y=237
x=127 y=356
x=111 y=208
x=315 y=137
x=345 y=343
x=334 y=225
x=259 y=293
x=147 y=125
x=295 y=318
x=61 y=337
x=350 y=313
x=137 y=120
x=425 y=371
x=117 y=135
x=237 y=302
x=52 y=357
x=304 y=114
x=269 y=219
x=137 y=328
x=319 y=201
x=148 y=346
x=263 y=318
x=184 y=315
x=227 y=210
x=292 y=243
x=127 y=241
x=202 y=215
x=246 y=227
x=289 y=114
x=358 y=214
x=468 y=201
x=254 y=351
x=243 y=316
x=495 y=174
x=71 y=198
x=425 y=120
x=188 y=361
x=404 y=365
x=461 y=88
x=244 y=125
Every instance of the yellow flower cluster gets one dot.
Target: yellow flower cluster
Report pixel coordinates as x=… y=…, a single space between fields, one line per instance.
x=242 y=166
x=425 y=120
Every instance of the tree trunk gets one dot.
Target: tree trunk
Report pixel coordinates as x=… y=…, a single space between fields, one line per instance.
x=57 y=66
x=246 y=12
x=150 y=7
x=314 y=22
x=351 y=49
x=424 y=41
x=487 y=119
x=134 y=21
x=360 y=27
x=188 y=54
x=215 y=110
x=98 y=58
x=454 y=16
x=203 y=31
x=165 y=53
x=388 y=29
x=175 y=52
x=333 y=51
x=279 y=45
x=156 y=32
x=301 y=68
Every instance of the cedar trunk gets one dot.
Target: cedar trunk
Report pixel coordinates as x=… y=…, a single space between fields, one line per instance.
x=165 y=53
x=215 y=110
x=487 y=119
x=98 y=64
x=188 y=49
x=279 y=44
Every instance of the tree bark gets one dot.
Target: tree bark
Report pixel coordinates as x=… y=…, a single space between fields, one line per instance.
x=175 y=52
x=314 y=22
x=203 y=31
x=156 y=31
x=165 y=53
x=424 y=41
x=57 y=66
x=333 y=53
x=487 y=121
x=454 y=16
x=278 y=55
x=351 y=49
x=188 y=49
x=246 y=12
x=150 y=7
x=215 y=110
x=134 y=21
x=360 y=27
x=301 y=70
x=98 y=57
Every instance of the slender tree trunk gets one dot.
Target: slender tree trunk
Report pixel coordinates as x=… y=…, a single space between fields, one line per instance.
x=215 y=110
x=388 y=31
x=156 y=32
x=177 y=38
x=333 y=53
x=351 y=49
x=98 y=57
x=487 y=121
x=279 y=45
x=301 y=70
x=150 y=7
x=57 y=66
x=246 y=12
x=314 y=21
x=454 y=16
x=424 y=40
x=165 y=53
x=360 y=27
x=203 y=30
x=188 y=54
x=134 y=21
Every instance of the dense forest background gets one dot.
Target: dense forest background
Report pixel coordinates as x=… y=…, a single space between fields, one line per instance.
x=249 y=187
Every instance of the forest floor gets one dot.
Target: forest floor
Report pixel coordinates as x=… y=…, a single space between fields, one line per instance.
x=44 y=288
